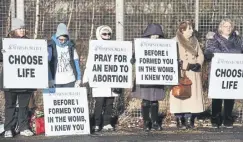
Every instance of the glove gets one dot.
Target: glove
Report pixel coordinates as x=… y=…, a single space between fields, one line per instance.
x=132 y=61
x=194 y=67
x=209 y=56
x=3 y=51
x=180 y=63
x=117 y=90
x=89 y=90
x=51 y=84
x=77 y=84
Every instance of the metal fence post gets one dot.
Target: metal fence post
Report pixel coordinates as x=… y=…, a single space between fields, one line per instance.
x=17 y=9
x=20 y=9
x=119 y=19
x=197 y=15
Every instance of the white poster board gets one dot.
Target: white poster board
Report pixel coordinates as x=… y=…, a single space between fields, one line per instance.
x=25 y=63
x=109 y=64
x=66 y=112
x=103 y=92
x=226 y=76
x=156 y=61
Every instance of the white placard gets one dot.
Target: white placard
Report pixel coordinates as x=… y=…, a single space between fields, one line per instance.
x=103 y=92
x=226 y=76
x=156 y=61
x=66 y=112
x=109 y=64
x=25 y=63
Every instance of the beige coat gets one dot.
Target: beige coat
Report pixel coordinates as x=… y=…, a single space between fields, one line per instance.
x=195 y=103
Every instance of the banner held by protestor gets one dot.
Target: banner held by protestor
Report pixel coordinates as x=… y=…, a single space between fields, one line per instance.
x=156 y=61
x=25 y=63
x=109 y=63
x=66 y=112
x=226 y=76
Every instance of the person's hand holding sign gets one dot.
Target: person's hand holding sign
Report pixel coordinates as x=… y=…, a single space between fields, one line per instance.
x=51 y=84
x=77 y=84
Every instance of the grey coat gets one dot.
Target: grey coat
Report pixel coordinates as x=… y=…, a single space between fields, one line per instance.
x=150 y=92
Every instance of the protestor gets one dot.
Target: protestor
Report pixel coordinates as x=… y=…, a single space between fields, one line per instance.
x=64 y=68
x=225 y=40
x=150 y=94
x=12 y=95
x=191 y=57
x=103 y=105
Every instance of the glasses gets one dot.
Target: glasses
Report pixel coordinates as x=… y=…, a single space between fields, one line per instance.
x=227 y=27
x=105 y=34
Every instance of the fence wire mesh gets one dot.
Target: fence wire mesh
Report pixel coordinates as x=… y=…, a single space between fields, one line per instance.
x=84 y=16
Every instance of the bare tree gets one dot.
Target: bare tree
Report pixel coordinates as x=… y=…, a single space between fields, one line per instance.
x=37 y=18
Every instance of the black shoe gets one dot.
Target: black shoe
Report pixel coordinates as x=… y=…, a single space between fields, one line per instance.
x=216 y=121
x=146 y=126
x=156 y=126
x=229 y=126
x=189 y=123
x=215 y=126
x=180 y=123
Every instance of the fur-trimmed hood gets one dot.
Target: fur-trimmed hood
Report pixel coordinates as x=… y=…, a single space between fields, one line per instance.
x=100 y=29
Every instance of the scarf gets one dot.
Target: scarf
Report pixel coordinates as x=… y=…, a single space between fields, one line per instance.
x=189 y=45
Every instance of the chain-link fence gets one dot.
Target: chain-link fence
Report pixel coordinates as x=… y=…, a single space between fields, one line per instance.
x=84 y=16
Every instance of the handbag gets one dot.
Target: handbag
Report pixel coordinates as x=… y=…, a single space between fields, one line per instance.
x=183 y=90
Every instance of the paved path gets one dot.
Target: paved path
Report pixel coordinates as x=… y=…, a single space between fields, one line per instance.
x=137 y=135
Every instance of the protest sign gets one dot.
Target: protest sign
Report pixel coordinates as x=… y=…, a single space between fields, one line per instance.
x=109 y=64
x=66 y=112
x=25 y=63
x=226 y=76
x=156 y=61
x=103 y=92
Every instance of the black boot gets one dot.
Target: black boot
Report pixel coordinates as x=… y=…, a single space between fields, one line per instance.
x=154 y=115
x=189 y=123
x=180 y=123
x=216 y=118
x=216 y=121
x=145 y=113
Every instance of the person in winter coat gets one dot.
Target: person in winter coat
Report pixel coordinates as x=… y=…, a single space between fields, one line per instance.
x=150 y=94
x=11 y=95
x=103 y=105
x=64 y=68
x=192 y=58
x=225 y=40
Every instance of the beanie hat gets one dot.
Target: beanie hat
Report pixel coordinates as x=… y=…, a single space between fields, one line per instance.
x=17 y=24
x=62 y=30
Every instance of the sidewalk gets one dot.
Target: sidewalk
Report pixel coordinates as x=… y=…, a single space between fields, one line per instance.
x=137 y=135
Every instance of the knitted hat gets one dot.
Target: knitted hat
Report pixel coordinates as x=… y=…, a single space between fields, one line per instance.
x=17 y=24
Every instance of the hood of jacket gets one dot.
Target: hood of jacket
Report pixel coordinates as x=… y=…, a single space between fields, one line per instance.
x=61 y=30
x=153 y=29
x=100 y=30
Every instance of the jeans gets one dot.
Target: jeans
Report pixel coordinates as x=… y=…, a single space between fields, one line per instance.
x=103 y=105
x=10 y=110
x=71 y=84
x=217 y=108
